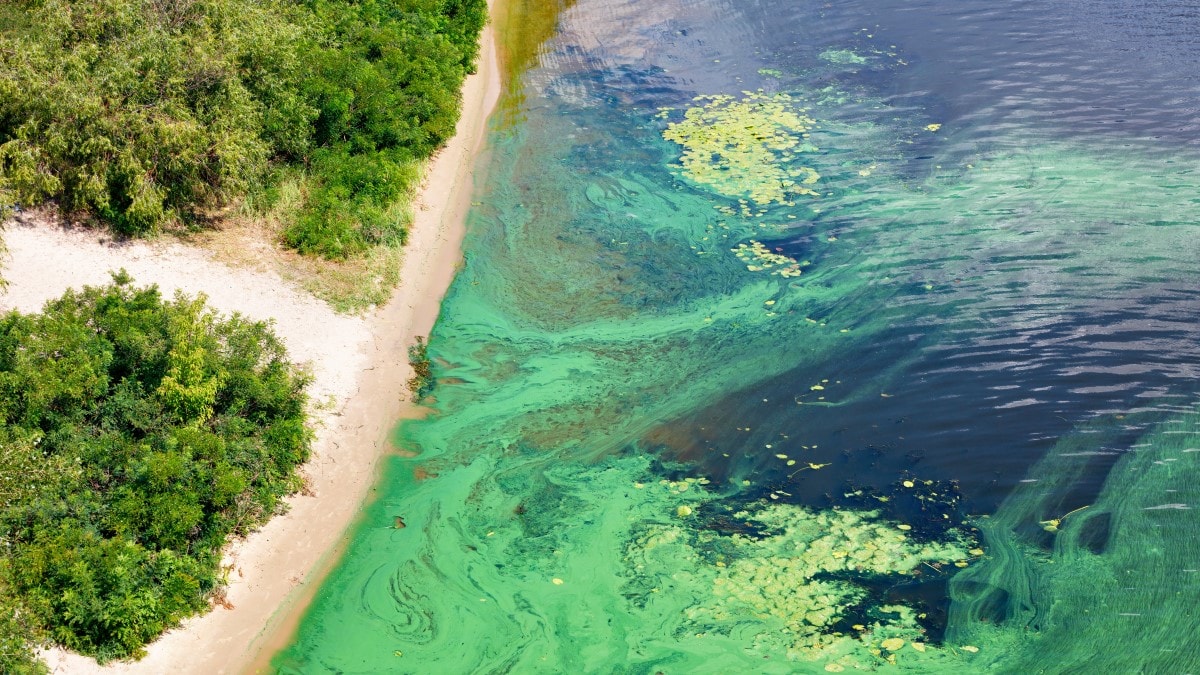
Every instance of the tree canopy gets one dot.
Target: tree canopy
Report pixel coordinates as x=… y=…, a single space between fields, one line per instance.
x=137 y=435
x=144 y=113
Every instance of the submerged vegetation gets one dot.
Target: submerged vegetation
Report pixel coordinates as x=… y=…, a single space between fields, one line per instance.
x=151 y=114
x=137 y=435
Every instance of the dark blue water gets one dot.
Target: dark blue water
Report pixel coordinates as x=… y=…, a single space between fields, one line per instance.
x=987 y=398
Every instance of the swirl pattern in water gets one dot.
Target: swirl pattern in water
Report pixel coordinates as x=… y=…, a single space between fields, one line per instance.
x=796 y=337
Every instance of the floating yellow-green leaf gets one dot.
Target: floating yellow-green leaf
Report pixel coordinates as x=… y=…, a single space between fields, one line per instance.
x=933 y=127
x=761 y=258
x=746 y=147
x=892 y=644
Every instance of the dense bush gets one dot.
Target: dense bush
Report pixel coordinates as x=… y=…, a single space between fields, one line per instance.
x=18 y=634
x=140 y=111
x=147 y=112
x=136 y=436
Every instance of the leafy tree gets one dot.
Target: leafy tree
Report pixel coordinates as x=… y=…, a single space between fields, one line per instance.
x=137 y=435
x=145 y=113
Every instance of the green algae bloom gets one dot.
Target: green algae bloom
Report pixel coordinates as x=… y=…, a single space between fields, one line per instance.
x=788 y=592
x=842 y=57
x=648 y=326
x=746 y=147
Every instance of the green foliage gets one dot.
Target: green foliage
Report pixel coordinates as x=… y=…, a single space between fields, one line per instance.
x=19 y=635
x=148 y=112
x=140 y=112
x=136 y=436
x=347 y=209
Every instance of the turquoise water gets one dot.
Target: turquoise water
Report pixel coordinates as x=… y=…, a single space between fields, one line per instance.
x=809 y=339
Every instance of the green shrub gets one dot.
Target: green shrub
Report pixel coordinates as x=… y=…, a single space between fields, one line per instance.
x=347 y=210
x=145 y=113
x=136 y=436
x=19 y=636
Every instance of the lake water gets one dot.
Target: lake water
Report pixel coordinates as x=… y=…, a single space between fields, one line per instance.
x=803 y=337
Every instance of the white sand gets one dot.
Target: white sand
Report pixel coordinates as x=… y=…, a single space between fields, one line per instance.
x=360 y=365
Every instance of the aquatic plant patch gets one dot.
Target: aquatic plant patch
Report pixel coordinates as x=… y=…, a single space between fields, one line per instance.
x=746 y=147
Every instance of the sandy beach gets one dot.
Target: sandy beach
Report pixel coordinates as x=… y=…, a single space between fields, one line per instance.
x=359 y=364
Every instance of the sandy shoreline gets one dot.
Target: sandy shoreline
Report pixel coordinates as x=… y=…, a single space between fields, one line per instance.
x=360 y=368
